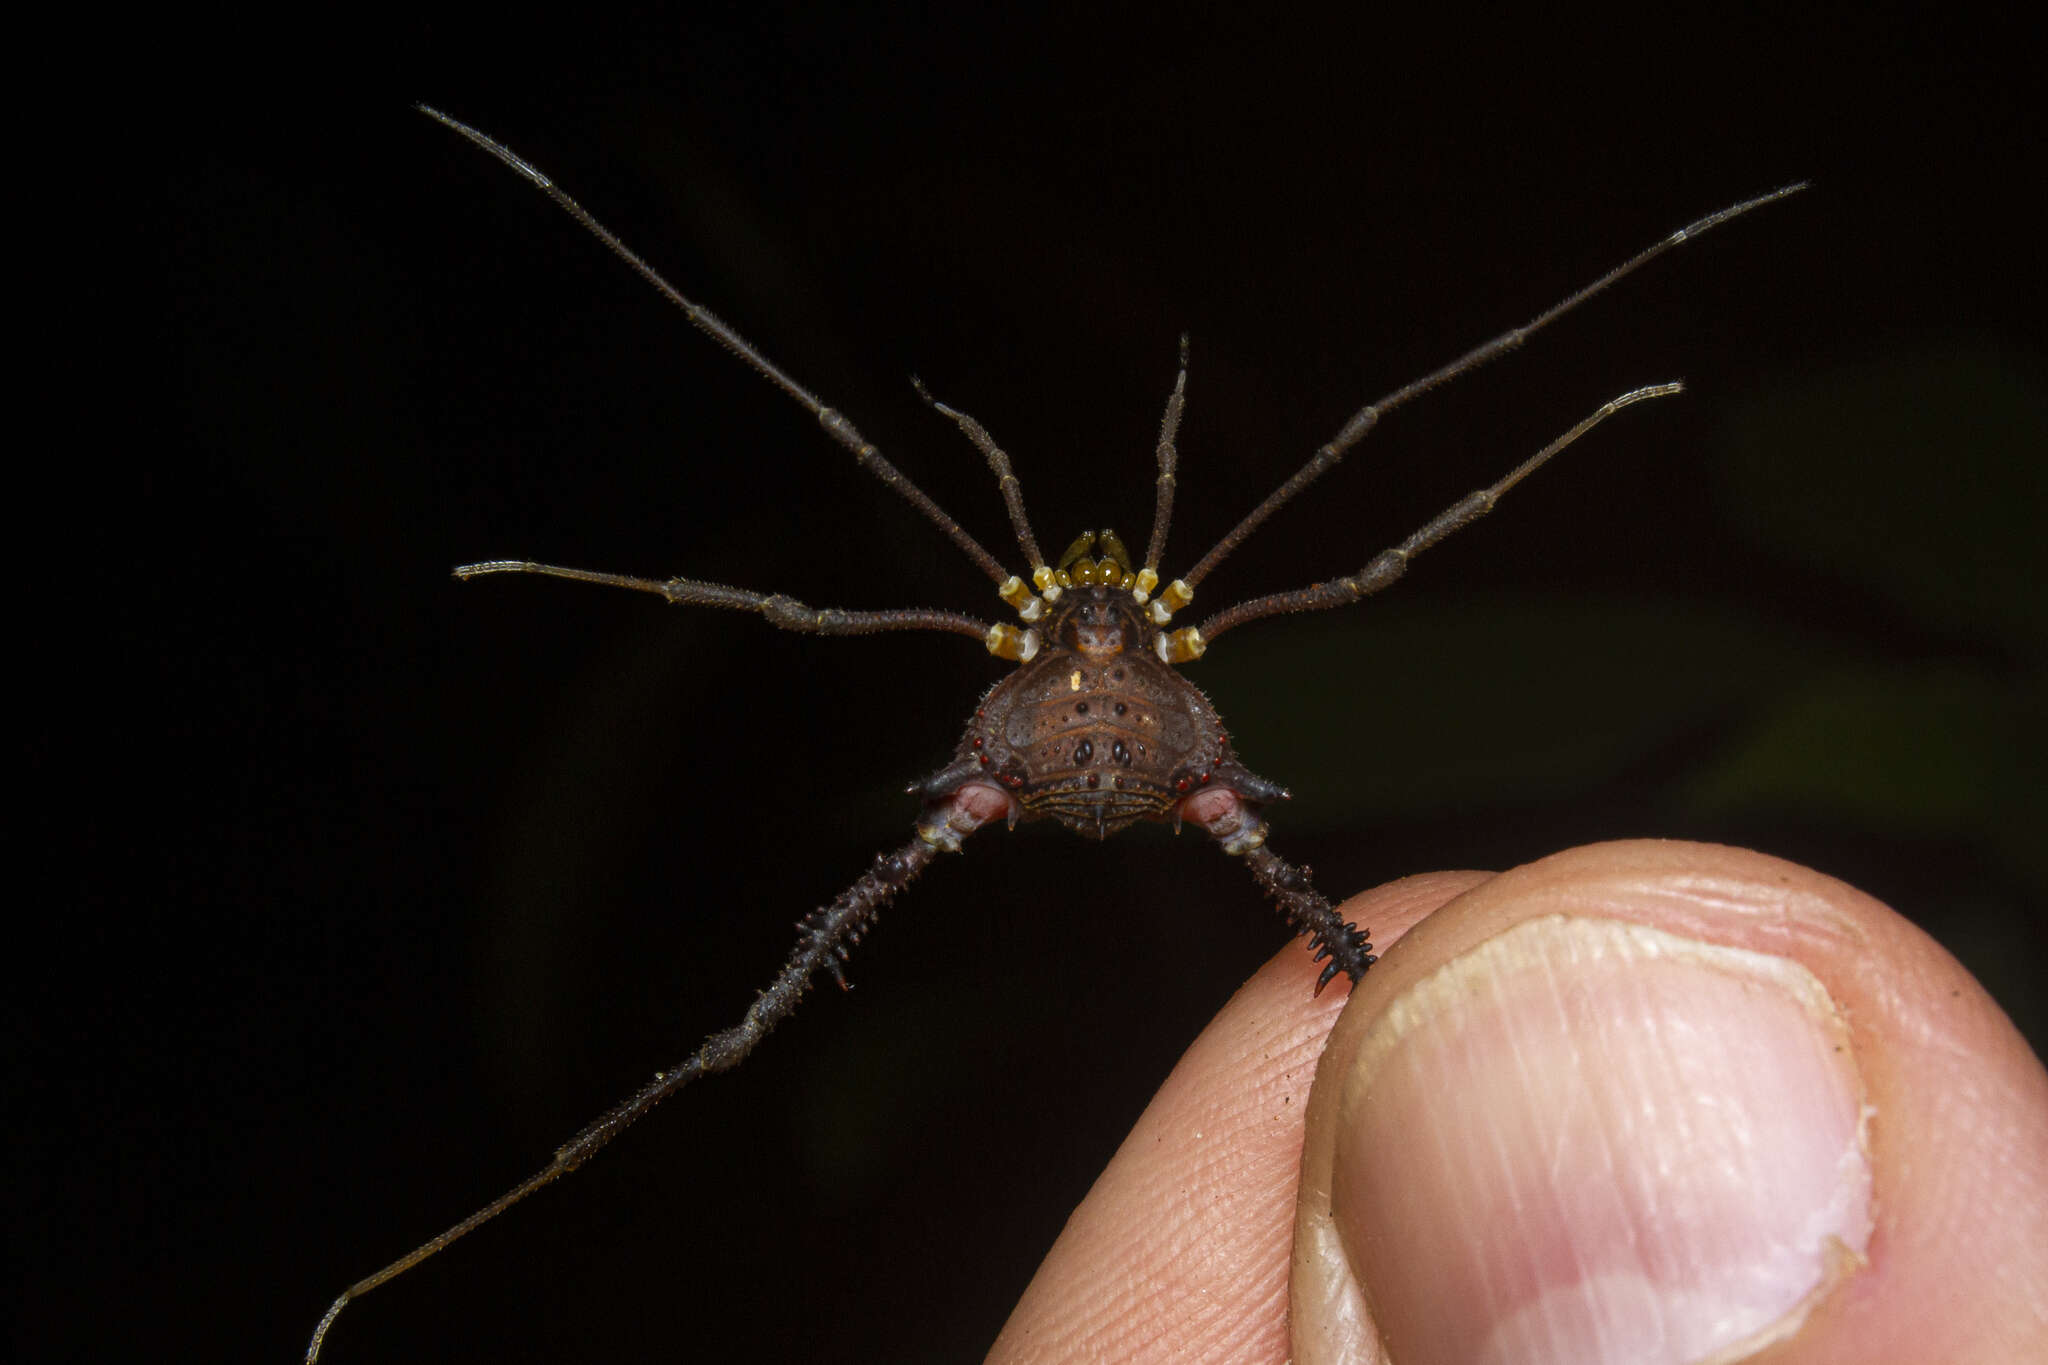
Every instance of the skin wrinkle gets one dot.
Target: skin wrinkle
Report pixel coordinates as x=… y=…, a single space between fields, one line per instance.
x=1186 y=1248
x=1620 y=1132
x=1787 y=922
x=1554 y=998
x=1611 y=1190
x=1503 y=1160
x=1460 y=1194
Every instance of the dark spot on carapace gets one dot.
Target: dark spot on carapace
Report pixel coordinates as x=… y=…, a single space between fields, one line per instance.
x=1094 y=779
x=1084 y=751
x=1121 y=752
x=1080 y=708
x=1121 y=708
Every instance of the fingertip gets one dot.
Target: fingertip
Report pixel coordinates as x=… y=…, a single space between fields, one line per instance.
x=1586 y=1041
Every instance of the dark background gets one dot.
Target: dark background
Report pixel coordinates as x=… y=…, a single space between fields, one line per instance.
x=364 y=889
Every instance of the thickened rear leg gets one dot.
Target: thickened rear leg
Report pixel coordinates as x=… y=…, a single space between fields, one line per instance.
x=1235 y=823
x=825 y=938
x=1329 y=934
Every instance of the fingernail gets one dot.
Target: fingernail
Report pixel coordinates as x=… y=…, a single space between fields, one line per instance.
x=1588 y=1141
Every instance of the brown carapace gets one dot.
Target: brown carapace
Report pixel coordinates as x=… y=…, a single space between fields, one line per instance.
x=1096 y=728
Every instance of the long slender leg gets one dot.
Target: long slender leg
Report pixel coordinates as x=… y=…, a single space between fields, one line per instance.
x=1169 y=463
x=833 y=421
x=1367 y=417
x=1390 y=564
x=825 y=938
x=999 y=465
x=785 y=612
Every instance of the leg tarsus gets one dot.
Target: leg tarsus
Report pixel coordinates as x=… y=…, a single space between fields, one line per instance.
x=1240 y=829
x=1340 y=943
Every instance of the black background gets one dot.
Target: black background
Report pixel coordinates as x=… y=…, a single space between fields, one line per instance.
x=363 y=889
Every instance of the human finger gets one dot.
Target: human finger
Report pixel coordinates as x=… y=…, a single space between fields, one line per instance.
x=1661 y=1101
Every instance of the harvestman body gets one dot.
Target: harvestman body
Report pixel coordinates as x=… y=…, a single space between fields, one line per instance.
x=1096 y=728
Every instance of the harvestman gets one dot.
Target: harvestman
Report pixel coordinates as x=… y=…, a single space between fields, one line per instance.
x=1096 y=728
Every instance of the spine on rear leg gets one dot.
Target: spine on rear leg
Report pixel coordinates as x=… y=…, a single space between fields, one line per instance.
x=1329 y=936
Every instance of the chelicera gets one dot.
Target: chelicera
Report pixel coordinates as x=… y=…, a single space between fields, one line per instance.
x=1096 y=728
